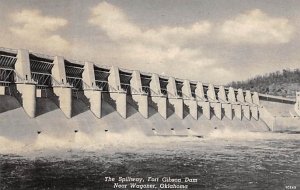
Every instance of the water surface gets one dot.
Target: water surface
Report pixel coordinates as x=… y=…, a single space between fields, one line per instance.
x=224 y=160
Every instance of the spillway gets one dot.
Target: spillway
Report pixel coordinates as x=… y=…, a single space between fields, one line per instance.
x=59 y=97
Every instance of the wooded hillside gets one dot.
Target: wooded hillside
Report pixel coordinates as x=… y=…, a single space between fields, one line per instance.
x=281 y=83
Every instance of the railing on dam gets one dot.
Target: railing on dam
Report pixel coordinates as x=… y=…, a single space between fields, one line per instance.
x=7 y=66
x=6 y=76
x=41 y=71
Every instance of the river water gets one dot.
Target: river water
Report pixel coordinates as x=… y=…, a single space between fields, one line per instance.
x=222 y=160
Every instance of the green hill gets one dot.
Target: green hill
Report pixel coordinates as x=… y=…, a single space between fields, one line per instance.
x=281 y=83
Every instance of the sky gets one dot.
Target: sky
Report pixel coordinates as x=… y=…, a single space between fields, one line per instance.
x=213 y=41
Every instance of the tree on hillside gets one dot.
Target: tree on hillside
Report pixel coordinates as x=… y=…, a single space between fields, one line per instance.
x=275 y=83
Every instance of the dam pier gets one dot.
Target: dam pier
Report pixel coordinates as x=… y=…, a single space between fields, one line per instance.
x=51 y=93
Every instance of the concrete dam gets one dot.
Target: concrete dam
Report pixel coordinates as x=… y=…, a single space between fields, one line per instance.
x=57 y=96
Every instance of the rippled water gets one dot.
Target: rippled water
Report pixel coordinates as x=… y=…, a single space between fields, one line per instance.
x=224 y=160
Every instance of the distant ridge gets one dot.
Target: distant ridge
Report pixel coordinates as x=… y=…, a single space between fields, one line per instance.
x=280 y=83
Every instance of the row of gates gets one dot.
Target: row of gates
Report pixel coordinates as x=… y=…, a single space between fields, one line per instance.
x=41 y=68
x=7 y=66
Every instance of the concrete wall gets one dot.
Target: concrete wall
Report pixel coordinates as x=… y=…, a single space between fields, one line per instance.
x=279 y=116
x=27 y=99
x=61 y=89
x=189 y=100
x=281 y=123
x=157 y=97
x=22 y=66
x=255 y=98
x=2 y=90
x=297 y=105
x=116 y=93
x=205 y=106
x=248 y=97
x=138 y=95
x=211 y=93
x=228 y=110
x=26 y=90
x=225 y=104
x=51 y=121
x=58 y=71
x=234 y=105
x=200 y=92
x=64 y=100
x=174 y=99
x=231 y=95
x=203 y=103
x=91 y=91
x=95 y=101
x=88 y=75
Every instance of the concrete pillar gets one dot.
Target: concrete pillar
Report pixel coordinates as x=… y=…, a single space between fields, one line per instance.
x=24 y=83
x=22 y=66
x=199 y=91
x=245 y=108
x=231 y=95
x=173 y=98
x=138 y=95
x=114 y=79
x=161 y=103
x=60 y=86
x=236 y=107
x=93 y=95
x=171 y=87
x=121 y=104
x=255 y=98
x=178 y=106
x=237 y=111
x=142 y=100
x=155 y=86
x=228 y=110
x=267 y=117
x=58 y=70
x=254 y=112
x=217 y=109
x=248 y=97
x=193 y=108
x=95 y=100
x=88 y=75
x=2 y=90
x=157 y=97
x=189 y=100
x=116 y=93
x=28 y=97
x=136 y=82
x=64 y=95
x=297 y=97
x=222 y=95
x=297 y=105
x=246 y=111
x=225 y=104
x=240 y=96
x=41 y=93
x=205 y=108
x=186 y=89
x=202 y=101
x=211 y=93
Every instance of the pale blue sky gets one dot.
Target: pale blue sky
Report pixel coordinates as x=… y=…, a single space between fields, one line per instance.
x=211 y=40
